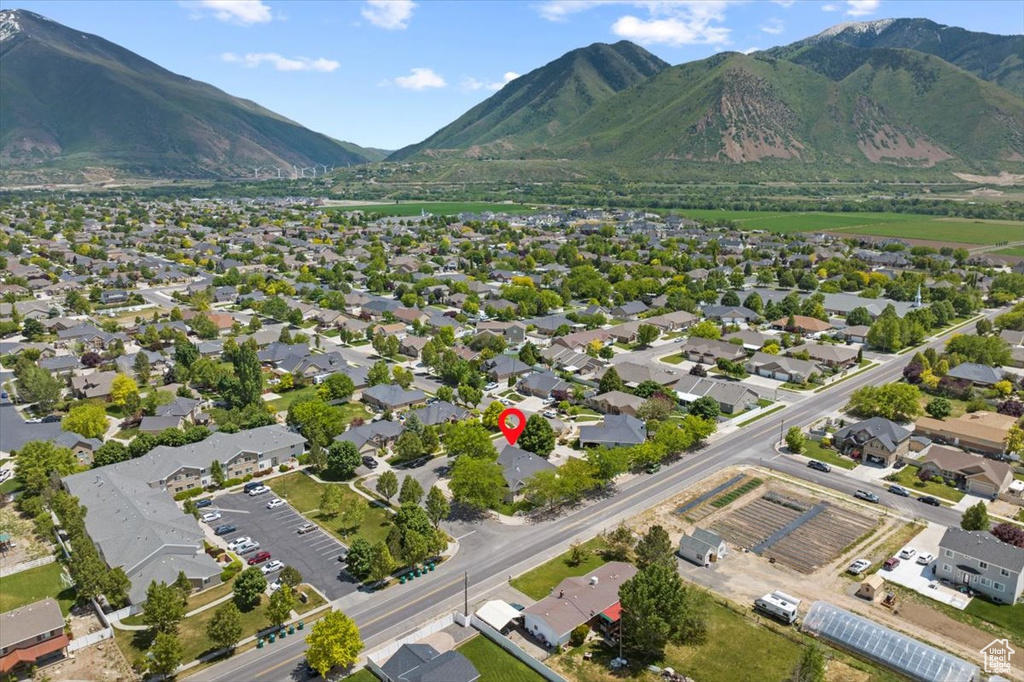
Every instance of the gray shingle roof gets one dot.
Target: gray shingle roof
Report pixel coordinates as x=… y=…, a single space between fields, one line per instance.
x=984 y=546
x=518 y=465
x=976 y=373
x=617 y=428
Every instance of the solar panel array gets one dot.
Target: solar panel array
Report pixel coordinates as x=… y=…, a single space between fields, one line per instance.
x=903 y=654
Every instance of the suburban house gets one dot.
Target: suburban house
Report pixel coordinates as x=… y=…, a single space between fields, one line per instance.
x=519 y=465
x=710 y=351
x=95 y=385
x=836 y=357
x=858 y=333
x=730 y=314
x=178 y=414
x=32 y=635
x=983 y=562
x=392 y=397
x=440 y=412
x=616 y=430
x=629 y=310
x=802 y=325
x=543 y=385
x=978 y=375
x=372 y=436
x=876 y=439
x=983 y=432
x=411 y=346
x=974 y=474
x=135 y=523
x=702 y=547
x=731 y=396
x=502 y=367
x=781 y=367
x=15 y=432
x=424 y=663
x=616 y=402
x=633 y=374
x=576 y=601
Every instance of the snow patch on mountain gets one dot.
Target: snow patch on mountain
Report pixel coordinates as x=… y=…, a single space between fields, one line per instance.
x=9 y=26
x=876 y=27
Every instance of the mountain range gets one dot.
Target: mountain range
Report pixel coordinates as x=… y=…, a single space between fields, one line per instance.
x=72 y=100
x=904 y=94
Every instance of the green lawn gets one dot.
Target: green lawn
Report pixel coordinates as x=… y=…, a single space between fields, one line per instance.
x=11 y=485
x=210 y=595
x=907 y=477
x=1012 y=251
x=362 y=675
x=304 y=494
x=34 y=584
x=1010 y=618
x=674 y=359
x=814 y=450
x=494 y=664
x=285 y=401
x=539 y=582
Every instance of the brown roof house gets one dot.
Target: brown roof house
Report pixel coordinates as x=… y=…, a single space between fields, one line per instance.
x=616 y=402
x=974 y=474
x=983 y=432
x=31 y=635
x=576 y=601
x=802 y=325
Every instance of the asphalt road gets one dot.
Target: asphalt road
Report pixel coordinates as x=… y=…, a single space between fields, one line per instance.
x=489 y=553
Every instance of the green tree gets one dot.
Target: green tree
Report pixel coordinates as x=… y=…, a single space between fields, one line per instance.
x=646 y=334
x=408 y=445
x=217 y=474
x=290 y=576
x=225 y=627
x=246 y=362
x=939 y=408
x=411 y=492
x=165 y=654
x=610 y=382
x=655 y=547
x=317 y=421
x=705 y=408
x=331 y=501
x=437 y=506
x=477 y=482
x=706 y=330
x=381 y=562
x=859 y=316
x=337 y=386
x=116 y=586
x=387 y=485
x=33 y=330
x=975 y=517
x=489 y=418
x=657 y=609
x=896 y=401
x=469 y=438
x=316 y=457
x=282 y=601
x=470 y=395
x=37 y=460
x=811 y=667
x=986 y=350
x=537 y=437
x=379 y=373
x=164 y=607
x=184 y=586
x=795 y=439
x=36 y=385
x=342 y=459
x=886 y=333
x=249 y=587
x=89 y=420
x=333 y=641
x=122 y=388
x=358 y=558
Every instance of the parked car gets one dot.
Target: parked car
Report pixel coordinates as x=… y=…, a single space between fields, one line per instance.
x=820 y=466
x=417 y=463
x=224 y=529
x=259 y=490
x=550 y=414
x=259 y=558
x=924 y=558
x=271 y=566
x=5 y=474
x=867 y=496
x=205 y=502
x=51 y=419
x=899 y=490
x=250 y=485
x=276 y=585
x=238 y=542
x=275 y=503
x=307 y=528
x=908 y=553
x=891 y=563
x=653 y=468
x=211 y=516
x=247 y=547
x=369 y=462
x=928 y=499
x=490 y=386
x=858 y=566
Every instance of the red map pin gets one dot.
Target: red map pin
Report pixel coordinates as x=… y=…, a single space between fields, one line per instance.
x=511 y=432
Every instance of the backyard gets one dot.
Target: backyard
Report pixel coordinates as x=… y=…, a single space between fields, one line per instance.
x=907 y=477
x=539 y=582
x=494 y=664
x=34 y=584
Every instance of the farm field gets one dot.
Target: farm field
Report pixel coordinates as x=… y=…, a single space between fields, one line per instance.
x=1011 y=251
x=441 y=208
x=909 y=226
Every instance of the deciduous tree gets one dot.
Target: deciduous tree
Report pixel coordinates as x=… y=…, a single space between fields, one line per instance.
x=89 y=420
x=538 y=437
x=249 y=587
x=387 y=485
x=333 y=641
x=225 y=627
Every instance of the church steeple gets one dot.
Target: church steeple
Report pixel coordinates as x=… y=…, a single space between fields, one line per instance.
x=917 y=299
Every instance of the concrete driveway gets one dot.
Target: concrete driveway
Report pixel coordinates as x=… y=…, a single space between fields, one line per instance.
x=315 y=554
x=919 y=577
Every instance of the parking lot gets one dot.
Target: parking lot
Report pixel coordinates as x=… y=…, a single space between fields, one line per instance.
x=921 y=578
x=315 y=554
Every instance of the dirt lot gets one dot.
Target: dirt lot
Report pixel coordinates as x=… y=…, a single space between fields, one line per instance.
x=102 y=662
x=26 y=545
x=742 y=576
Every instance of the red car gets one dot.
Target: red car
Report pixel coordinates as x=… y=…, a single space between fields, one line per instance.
x=259 y=558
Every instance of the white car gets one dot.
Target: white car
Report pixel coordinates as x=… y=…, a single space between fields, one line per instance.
x=276 y=585
x=259 y=490
x=251 y=546
x=858 y=566
x=491 y=386
x=271 y=566
x=908 y=553
x=5 y=474
x=275 y=503
x=924 y=558
x=238 y=542
x=211 y=516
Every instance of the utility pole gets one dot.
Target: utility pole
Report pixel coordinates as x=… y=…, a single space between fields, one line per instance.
x=782 y=426
x=465 y=593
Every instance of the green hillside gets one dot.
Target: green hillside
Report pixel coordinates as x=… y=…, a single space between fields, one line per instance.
x=76 y=101
x=537 y=106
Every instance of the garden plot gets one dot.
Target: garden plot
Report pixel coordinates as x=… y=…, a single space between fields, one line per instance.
x=801 y=533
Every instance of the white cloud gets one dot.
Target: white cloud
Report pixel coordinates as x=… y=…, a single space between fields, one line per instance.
x=470 y=83
x=773 y=26
x=389 y=14
x=784 y=3
x=668 y=22
x=860 y=8
x=253 y=59
x=830 y=8
x=750 y=49
x=243 y=12
x=420 y=79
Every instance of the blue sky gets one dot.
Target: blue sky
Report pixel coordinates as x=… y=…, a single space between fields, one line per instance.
x=387 y=73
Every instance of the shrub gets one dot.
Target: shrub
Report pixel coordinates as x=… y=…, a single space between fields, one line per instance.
x=579 y=635
x=283 y=468
x=233 y=481
x=186 y=494
x=231 y=570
